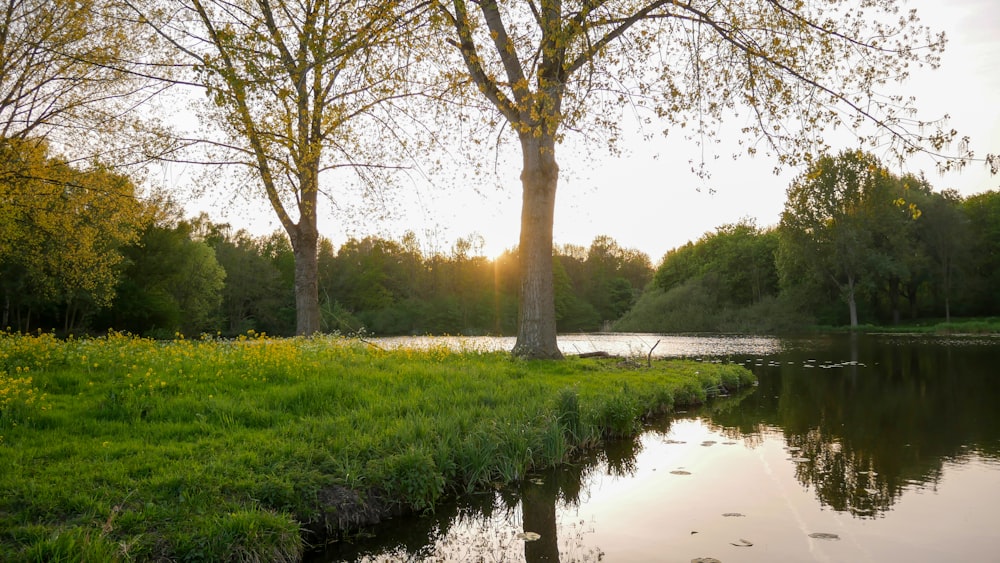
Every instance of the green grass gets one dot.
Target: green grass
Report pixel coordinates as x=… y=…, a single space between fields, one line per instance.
x=129 y=449
x=984 y=325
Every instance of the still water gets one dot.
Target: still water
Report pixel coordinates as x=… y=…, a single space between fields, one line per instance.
x=620 y=344
x=852 y=448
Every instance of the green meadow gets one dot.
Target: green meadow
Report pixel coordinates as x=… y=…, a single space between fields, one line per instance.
x=256 y=449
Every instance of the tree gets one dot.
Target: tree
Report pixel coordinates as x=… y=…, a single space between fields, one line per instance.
x=573 y=313
x=172 y=283
x=614 y=277
x=549 y=66
x=983 y=214
x=829 y=225
x=369 y=274
x=60 y=70
x=62 y=233
x=898 y=227
x=679 y=265
x=288 y=84
x=736 y=262
x=944 y=233
x=257 y=294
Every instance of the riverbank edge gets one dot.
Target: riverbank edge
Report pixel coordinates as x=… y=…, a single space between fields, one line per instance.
x=957 y=327
x=346 y=511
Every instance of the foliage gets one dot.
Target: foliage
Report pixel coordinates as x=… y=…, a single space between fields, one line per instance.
x=688 y=307
x=573 y=312
x=172 y=284
x=551 y=67
x=389 y=287
x=736 y=261
x=64 y=76
x=712 y=285
x=288 y=84
x=597 y=284
x=841 y=220
x=612 y=277
x=258 y=293
x=216 y=449
x=62 y=234
x=851 y=230
x=983 y=215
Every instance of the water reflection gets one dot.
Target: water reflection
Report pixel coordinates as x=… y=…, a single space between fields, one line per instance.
x=517 y=523
x=891 y=412
x=891 y=444
x=620 y=344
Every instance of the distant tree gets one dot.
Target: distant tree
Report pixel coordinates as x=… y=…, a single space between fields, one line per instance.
x=736 y=263
x=369 y=277
x=983 y=213
x=473 y=284
x=946 y=237
x=573 y=312
x=258 y=295
x=678 y=266
x=172 y=283
x=636 y=268
x=614 y=277
x=830 y=228
x=901 y=255
x=62 y=233
x=740 y=259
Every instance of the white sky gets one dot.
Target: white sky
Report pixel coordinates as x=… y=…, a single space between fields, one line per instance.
x=655 y=203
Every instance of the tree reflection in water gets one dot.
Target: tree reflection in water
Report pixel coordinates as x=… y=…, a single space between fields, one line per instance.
x=875 y=416
x=540 y=496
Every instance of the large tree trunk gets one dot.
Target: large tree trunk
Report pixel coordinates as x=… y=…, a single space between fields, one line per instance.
x=305 y=247
x=536 y=330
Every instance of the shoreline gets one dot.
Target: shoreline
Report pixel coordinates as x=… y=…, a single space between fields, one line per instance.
x=132 y=450
x=352 y=513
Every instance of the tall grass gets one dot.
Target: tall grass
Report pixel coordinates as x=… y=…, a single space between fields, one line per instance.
x=121 y=448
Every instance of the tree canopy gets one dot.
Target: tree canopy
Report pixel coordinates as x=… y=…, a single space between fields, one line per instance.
x=61 y=232
x=797 y=69
x=71 y=75
x=856 y=244
x=287 y=84
x=838 y=223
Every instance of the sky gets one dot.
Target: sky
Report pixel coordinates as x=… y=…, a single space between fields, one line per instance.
x=647 y=198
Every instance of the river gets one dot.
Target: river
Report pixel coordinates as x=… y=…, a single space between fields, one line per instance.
x=852 y=448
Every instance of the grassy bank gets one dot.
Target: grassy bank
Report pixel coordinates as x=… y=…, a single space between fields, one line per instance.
x=978 y=325
x=128 y=449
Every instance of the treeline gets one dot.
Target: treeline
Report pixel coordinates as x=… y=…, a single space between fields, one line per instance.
x=856 y=244
x=81 y=251
x=390 y=287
